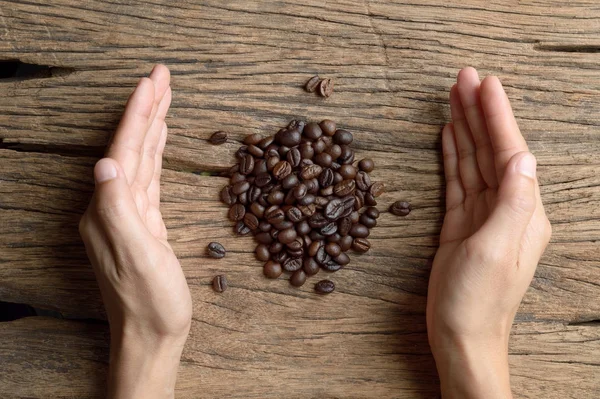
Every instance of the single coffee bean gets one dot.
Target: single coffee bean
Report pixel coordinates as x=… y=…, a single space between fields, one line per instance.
x=366 y=165
x=321 y=201
x=367 y=221
x=272 y=161
x=307 y=151
x=215 y=250
x=317 y=221
x=257 y=209
x=252 y=139
x=363 y=181
x=289 y=198
x=359 y=231
x=294 y=214
x=312 y=131
x=346 y=243
x=328 y=141
x=293 y=157
x=219 y=283
x=377 y=189
x=262 y=180
x=331 y=266
x=354 y=216
x=289 y=137
x=347 y=155
x=292 y=264
x=334 y=209
x=348 y=202
x=300 y=192
x=335 y=238
x=272 y=269
x=347 y=212
x=347 y=171
x=240 y=187
x=400 y=208
x=372 y=212
x=307 y=210
x=286 y=236
x=218 y=138
x=324 y=287
x=316 y=236
x=251 y=221
x=290 y=181
x=325 y=88
x=232 y=170
x=237 y=212
x=344 y=226
x=319 y=146
x=314 y=247
x=311 y=171
x=276 y=197
x=280 y=257
x=307 y=199
x=326 y=192
x=312 y=84
x=310 y=266
x=275 y=247
x=333 y=249
x=264 y=226
x=241 y=229
x=326 y=178
x=298 y=253
x=361 y=245
x=322 y=256
x=328 y=127
x=241 y=152
x=344 y=188
x=274 y=214
x=255 y=151
x=260 y=166
x=265 y=143
x=286 y=224
x=323 y=159
x=337 y=177
x=296 y=244
x=329 y=229
x=342 y=259
x=370 y=199
x=359 y=200
x=335 y=151
x=227 y=196
x=298 y=278
x=253 y=194
x=262 y=252
x=237 y=177
x=264 y=238
x=296 y=124
x=342 y=137
x=282 y=169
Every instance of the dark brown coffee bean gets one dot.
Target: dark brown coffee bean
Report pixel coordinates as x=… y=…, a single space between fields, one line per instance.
x=298 y=253
x=325 y=88
x=312 y=131
x=292 y=264
x=347 y=171
x=240 y=187
x=298 y=278
x=372 y=212
x=370 y=200
x=274 y=214
x=323 y=159
x=344 y=226
x=264 y=238
x=321 y=201
x=307 y=210
x=331 y=266
x=316 y=236
x=286 y=224
x=314 y=247
x=400 y=208
x=348 y=202
x=215 y=250
x=377 y=189
x=334 y=209
x=306 y=200
x=253 y=194
x=296 y=124
x=342 y=259
x=237 y=212
x=260 y=166
x=317 y=221
x=290 y=181
x=311 y=171
x=335 y=166
x=335 y=151
x=264 y=226
x=344 y=188
x=280 y=257
x=289 y=137
x=252 y=139
x=363 y=181
x=366 y=165
x=329 y=229
x=295 y=245
x=333 y=249
x=328 y=127
x=361 y=245
x=235 y=168
x=262 y=253
x=219 y=283
x=359 y=200
x=294 y=214
x=251 y=221
x=359 y=231
x=342 y=137
x=274 y=232
x=335 y=238
x=257 y=209
x=347 y=155
x=289 y=198
x=275 y=247
x=326 y=192
x=265 y=143
x=326 y=178
x=272 y=269
x=286 y=236
x=319 y=146
x=227 y=196
x=241 y=152
x=367 y=221
x=337 y=177
x=307 y=151
x=281 y=170
x=293 y=157
x=322 y=256
x=300 y=192
x=310 y=266
x=346 y=243
x=324 y=287
x=237 y=177
x=243 y=198
x=312 y=84
x=262 y=179
x=255 y=151
x=241 y=229
x=218 y=138
x=354 y=216
x=272 y=161
x=276 y=197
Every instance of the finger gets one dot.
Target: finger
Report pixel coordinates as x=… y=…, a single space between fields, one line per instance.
x=115 y=206
x=515 y=205
x=467 y=161
x=468 y=90
x=126 y=145
x=147 y=164
x=154 y=187
x=503 y=130
x=455 y=193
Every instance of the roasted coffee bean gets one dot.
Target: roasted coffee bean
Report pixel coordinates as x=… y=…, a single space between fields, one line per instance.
x=237 y=212
x=312 y=84
x=322 y=256
x=275 y=247
x=260 y=166
x=289 y=137
x=257 y=209
x=344 y=226
x=310 y=266
x=346 y=243
x=319 y=146
x=252 y=139
x=253 y=194
x=354 y=216
x=321 y=201
x=274 y=233
x=262 y=253
x=241 y=152
x=265 y=143
x=307 y=210
x=255 y=151
x=264 y=238
x=335 y=151
x=289 y=198
x=251 y=221
x=312 y=131
x=334 y=209
x=333 y=249
x=290 y=181
x=317 y=221
x=337 y=177
x=316 y=236
x=359 y=231
x=347 y=171
x=294 y=157
x=329 y=229
x=326 y=192
x=280 y=257
x=264 y=226
x=294 y=214
x=282 y=169
x=286 y=224
x=327 y=140
x=335 y=238
x=235 y=168
x=323 y=159
x=237 y=177
x=300 y=192
x=298 y=253
x=328 y=127
x=347 y=155
x=240 y=187
x=370 y=200
x=347 y=212
x=272 y=269
x=400 y=208
x=377 y=189
x=307 y=199
x=298 y=278
x=241 y=229
x=215 y=250
x=335 y=166
x=227 y=196
x=295 y=245
x=276 y=197
x=218 y=138
x=342 y=137
x=372 y=212
x=243 y=198
x=296 y=124
x=325 y=88
x=311 y=171
x=361 y=245
x=262 y=180
x=272 y=161
x=366 y=165
x=331 y=266
x=307 y=151
x=326 y=178
x=342 y=259
x=286 y=236
x=363 y=181
x=306 y=241
x=219 y=283
x=274 y=214
x=348 y=201
x=344 y=188
x=324 y=287
x=292 y=264
x=367 y=221
x=314 y=247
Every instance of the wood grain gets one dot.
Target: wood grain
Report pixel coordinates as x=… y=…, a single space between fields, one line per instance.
x=240 y=67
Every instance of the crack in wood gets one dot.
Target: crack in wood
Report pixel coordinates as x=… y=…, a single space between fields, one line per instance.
x=568 y=48
x=16 y=70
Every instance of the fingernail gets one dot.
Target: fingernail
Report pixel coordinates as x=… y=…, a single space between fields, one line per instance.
x=526 y=166
x=104 y=171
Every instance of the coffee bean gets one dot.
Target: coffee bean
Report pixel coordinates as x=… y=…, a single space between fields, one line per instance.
x=334 y=209
x=237 y=177
x=296 y=124
x=241 y=229
x=286 y=224
x=252 y=139
x=359 y=231
x=370 y=200
x=319 y=146
x=280 y=257
x=243 y=197
x=331 y=266
x=354 y=216
x=322 y=257
x=272 y=161
x=289 y=137
x=333 y=249
x=346 y=243
x=253 y=194
x=314 y=247
x=366 y=165
x=294 y=214
x=262 y=180
x=311 y=171
x=363 y=181
x=306 y=200
x=281 y=170
x=344 y=188
x=260 y=167
x=312 y=131
x=372 y=212
x=312 y=84
x=241 y=152
x=344 y=226
x=272 y=269
x=292 y=264
x=218 y=138
x=219 y=283
x=316 y=236
x=321 y=201
x=325 y=88
x=276 y=197
x=347 y=171
x=307 y=151
x=240 y=187
x=335 y=238
x=290 y=181
x=264 y=226
x=361 y=245
x=289 y=198
x=227 y=196
x=367 y=221
x=232 y=170
x=342 y=259
x=328 y=127
x=251 y=221
x=275 y=247
x=335 y=151
x=329 y=229
x=326 y=178
x=286 y=236
x=310 y=266
x=265 y=143
x=304 y=163
x=298 y=278
x=306 y=241
x=317 y=221
x=342 y=136
x=327 y=140
x=300 y=192
x=237 y=212
x=377 y=189
x=337 y=177
x=274 y=214
x=323 y=159
x=264 y=237
x=348 y=202
x=262 y=252
x=324 y=287
x=347 y=155
x=400 y=208
x=307 y=210
x=293 y=157
x=215 y=250
x=326 y=192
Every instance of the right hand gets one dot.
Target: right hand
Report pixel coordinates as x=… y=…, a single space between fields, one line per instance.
x=494 y=233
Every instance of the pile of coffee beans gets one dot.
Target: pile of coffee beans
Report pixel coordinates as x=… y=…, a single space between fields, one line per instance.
x=304 y=197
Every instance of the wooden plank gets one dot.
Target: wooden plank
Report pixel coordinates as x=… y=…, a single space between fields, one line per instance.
x=547 y=360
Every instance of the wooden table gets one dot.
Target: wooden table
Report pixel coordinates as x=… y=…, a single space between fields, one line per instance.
x=240 y=67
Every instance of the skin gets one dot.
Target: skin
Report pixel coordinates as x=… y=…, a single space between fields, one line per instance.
x=494 y=233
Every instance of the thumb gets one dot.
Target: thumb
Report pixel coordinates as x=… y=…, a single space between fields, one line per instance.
x=115 y=205
x=515 y=204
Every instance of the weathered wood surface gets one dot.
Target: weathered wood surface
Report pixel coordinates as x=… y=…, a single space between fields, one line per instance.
x=240 y=67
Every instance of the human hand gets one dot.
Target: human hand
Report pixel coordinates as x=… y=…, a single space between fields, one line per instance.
x=145 y=293
x=494 y=233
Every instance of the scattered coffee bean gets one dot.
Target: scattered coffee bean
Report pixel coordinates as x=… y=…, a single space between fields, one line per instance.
x=272 y=269
x=252 y=139
x=292 y=264
x=311 y=85
x=400 y=208
x=372 y=212
x=326 y=88
x=367 y=221
x=219 y=283
x=215 y=250
x=324 y=287
x=366 y=165
x=361 y=245
x=218 y=138
x=377 y=189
